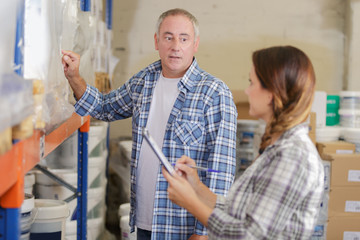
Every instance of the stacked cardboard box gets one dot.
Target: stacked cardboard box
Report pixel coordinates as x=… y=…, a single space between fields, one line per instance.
x=344 y=191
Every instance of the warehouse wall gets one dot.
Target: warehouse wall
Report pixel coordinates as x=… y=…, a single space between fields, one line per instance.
x=230 y=31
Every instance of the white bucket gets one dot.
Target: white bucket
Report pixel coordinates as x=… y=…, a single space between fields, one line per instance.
x=245 y=132
x=125 y=229
x=259 y=132
x=124 y=210
x=29 y=181
x=328 y=134
x=65 y=155
x=95 y=202
x=68 y=175
x=126 y=147
x=353 y=135
x=27 y=215
x=71 y=230
x=349 y=118
x=25 y=236
x=349 y=100
x=245 y=158
x=95 y=227
x=96 y=171
x=97 y=139
x=50 y=220
x=96 y=174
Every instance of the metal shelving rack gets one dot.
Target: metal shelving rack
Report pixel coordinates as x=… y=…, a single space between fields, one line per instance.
x=26 y=154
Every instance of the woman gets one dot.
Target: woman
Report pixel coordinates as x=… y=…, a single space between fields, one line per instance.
x=278 y=196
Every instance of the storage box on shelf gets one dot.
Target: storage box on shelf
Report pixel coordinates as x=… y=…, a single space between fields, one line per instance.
x=344 y=188
x=343 y=228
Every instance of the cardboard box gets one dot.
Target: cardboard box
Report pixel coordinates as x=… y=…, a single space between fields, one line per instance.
x=344 y=170
x=343 y=228
x=335 y=147
x=344 y=202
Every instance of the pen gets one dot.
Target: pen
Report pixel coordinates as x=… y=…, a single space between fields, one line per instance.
x=201 y=168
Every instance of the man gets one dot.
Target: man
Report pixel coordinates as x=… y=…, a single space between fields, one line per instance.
x=187 y=111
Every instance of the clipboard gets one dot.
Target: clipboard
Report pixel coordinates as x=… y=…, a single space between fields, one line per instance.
x=158 y=151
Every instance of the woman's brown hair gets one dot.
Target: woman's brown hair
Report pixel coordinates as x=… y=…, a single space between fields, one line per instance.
x=288 y=74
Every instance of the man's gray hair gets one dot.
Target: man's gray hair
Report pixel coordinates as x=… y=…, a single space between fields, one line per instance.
x=175 y=12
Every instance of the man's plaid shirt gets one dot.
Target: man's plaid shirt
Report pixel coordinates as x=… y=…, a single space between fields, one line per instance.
x=201 y=125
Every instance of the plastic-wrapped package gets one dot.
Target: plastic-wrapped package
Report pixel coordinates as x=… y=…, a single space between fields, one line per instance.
x=18 y=95
x=102 y=79
x=97 y=9
x=42 y=59
x=86 y=30
x=8 y=13
x=78 y=30
x=5 y=129
x=70 y=24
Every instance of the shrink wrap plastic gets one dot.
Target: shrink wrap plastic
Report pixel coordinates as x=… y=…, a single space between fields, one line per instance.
x=16 y=102
x=8 y=13
x=42 y=60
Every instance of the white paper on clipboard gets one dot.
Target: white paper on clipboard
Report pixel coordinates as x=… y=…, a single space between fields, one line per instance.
x=157 y=151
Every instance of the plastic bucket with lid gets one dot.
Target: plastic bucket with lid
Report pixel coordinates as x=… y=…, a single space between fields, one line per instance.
x=96 y=174
x=246 y=157
x=29 y=181
x=350 y=100
x=245 y=132
x=50 y=220
x=97 y=138
x=328 y=134
x=68 y=175
x=65 y=155
x=27 y=215
x=96 y=170
x=124 y=210
x=95 y=227
x=349 y=118
x=95 y=199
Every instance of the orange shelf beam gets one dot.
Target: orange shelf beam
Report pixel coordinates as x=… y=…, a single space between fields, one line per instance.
x=55 y=138
x=8 y=168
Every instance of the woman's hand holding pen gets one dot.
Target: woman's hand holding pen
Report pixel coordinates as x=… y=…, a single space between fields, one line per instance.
x=186 y=190
x=183 y=168
x=180 y=190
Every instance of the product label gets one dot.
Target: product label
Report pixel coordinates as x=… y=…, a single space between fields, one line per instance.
x=351 y=236
x=352 y=206
x=343 y=151
x=45 y=235
x=42 y=146
x=354 y=176
x=326 y=175
x=318 y=231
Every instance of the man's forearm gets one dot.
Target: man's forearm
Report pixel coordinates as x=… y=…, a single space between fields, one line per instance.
x=78 y=86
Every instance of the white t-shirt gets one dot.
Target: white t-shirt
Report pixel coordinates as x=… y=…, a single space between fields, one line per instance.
x=164 y=96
